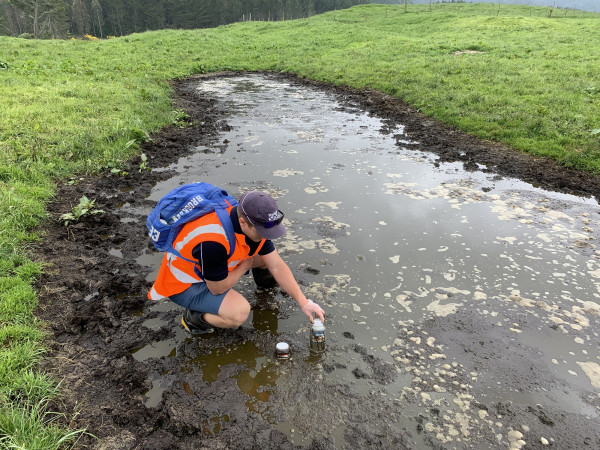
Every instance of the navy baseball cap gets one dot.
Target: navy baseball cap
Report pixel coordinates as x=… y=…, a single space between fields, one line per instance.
x=262 y=211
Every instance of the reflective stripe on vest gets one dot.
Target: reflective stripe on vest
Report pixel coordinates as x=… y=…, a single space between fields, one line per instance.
x=153 y=295
x=179 y=274
x=211 y=228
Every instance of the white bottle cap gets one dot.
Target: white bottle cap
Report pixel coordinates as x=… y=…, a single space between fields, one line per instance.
x=282 y=346
x=318 y=325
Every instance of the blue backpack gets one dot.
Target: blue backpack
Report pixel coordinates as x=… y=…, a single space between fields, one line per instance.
x=184 y=204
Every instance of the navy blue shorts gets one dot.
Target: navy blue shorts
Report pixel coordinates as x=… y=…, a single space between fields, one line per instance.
x=199 y=298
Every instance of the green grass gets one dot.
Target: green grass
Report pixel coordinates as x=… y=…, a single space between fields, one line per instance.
x=33 y=428
x=69 y=108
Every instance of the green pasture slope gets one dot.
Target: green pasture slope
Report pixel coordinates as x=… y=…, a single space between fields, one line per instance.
x=70 y=108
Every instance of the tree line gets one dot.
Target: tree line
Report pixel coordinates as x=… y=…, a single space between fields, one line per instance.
x=58 y=19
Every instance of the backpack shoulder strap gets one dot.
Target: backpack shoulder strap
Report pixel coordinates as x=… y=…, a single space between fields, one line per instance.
x=225 y=220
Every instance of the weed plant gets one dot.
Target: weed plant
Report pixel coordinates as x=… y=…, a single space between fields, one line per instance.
x=85 y=207
x=71 y=108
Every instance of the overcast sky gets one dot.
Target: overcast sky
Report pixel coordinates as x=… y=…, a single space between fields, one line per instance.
x=584 y=5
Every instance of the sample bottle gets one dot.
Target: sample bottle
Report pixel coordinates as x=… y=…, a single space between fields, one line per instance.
x=317 y=336
x=282 y=350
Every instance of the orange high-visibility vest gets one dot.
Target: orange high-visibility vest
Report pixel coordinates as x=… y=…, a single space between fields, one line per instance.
x=176 y=274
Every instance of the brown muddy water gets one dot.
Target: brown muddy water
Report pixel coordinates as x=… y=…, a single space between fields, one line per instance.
x=419 y=265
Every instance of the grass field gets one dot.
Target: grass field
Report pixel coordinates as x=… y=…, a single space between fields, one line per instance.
x=71 y=108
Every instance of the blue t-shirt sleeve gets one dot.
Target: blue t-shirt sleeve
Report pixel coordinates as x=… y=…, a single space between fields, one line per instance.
x=267 y=248
x=212 y=257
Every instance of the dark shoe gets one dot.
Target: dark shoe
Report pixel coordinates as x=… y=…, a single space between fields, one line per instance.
x=193 y=322
x=263 y=279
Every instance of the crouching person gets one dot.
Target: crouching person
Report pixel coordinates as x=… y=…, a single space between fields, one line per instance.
x=202 y=278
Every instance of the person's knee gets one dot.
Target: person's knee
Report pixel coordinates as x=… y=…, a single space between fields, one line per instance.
x=234 y=310
x=240 y=315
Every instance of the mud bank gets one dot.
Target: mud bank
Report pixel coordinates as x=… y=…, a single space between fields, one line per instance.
x=92 y=297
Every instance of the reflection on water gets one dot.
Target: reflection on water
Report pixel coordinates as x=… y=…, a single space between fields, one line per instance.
x=156 y=350
x=258 y=385
x=265 y=320
x=385 y=241
x=244 y=353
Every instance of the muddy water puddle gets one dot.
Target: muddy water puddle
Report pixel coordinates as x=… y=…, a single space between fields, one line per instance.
x=418 y=265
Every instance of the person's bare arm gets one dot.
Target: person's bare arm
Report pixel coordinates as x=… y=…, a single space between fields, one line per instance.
x=284 y=277
x=219 y=287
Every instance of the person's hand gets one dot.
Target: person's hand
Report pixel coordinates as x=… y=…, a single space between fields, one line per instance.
x=249 y=263
x=312 y=308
